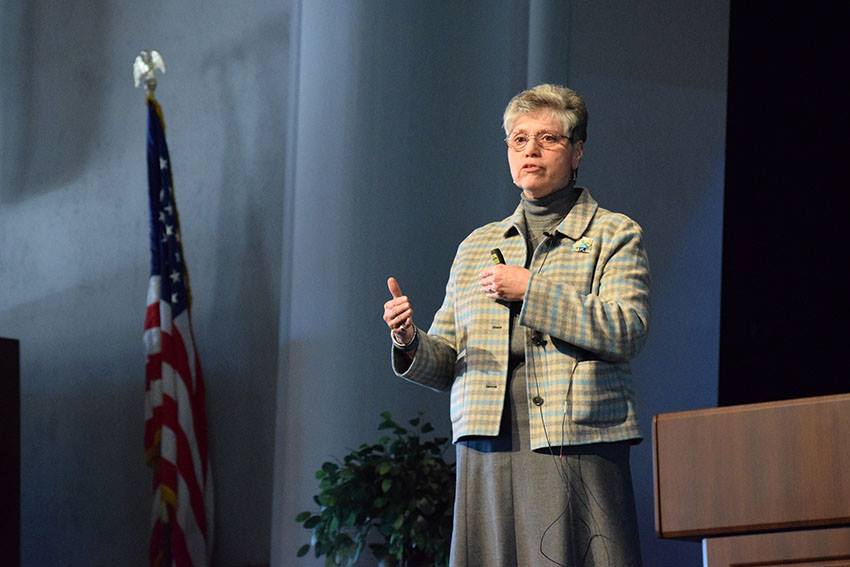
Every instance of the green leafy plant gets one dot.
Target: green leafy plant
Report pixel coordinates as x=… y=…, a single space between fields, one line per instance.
x=399 y=490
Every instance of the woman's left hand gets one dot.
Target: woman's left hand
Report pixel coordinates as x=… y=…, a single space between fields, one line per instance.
x=504 y=282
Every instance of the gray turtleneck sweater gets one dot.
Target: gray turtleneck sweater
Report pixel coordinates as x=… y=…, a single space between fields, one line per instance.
x=544 y=214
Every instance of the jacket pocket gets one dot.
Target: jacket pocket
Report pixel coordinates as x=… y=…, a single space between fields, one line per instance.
x=598 y=396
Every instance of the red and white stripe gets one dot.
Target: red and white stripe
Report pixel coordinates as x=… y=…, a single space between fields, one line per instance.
x=176 y=438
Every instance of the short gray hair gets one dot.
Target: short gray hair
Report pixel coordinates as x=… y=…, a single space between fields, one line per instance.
x=563 y=103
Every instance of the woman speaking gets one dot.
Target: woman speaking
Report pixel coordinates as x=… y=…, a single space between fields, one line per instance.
x=542 y=313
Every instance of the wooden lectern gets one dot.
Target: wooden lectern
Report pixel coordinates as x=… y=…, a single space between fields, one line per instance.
x=761 y=484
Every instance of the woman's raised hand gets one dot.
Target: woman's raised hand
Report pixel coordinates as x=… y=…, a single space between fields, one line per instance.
x=398 y=313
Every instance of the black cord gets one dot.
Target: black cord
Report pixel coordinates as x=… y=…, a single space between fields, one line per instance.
x=561 y=463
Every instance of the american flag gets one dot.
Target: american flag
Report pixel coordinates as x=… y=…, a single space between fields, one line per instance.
x=175 y=419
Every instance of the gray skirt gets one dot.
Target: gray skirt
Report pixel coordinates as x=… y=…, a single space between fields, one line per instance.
x=573 y=506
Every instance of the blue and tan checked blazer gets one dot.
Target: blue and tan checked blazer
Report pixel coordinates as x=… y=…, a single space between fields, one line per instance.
x=589 y=297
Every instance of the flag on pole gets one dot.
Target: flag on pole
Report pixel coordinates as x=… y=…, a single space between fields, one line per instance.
x=175 y=419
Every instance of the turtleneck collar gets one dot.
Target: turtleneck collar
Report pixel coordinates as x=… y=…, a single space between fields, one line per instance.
x=553 y=206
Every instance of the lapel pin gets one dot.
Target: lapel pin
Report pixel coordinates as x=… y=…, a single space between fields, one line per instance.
x=584 y=245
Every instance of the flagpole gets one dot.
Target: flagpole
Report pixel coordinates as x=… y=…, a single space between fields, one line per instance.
x=144 y=68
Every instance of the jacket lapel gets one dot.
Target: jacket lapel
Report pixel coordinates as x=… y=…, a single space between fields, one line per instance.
x=513 y=242
x=578 y=219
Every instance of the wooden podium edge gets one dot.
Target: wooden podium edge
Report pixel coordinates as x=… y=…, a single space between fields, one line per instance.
x=755 y=529
x=656 y=488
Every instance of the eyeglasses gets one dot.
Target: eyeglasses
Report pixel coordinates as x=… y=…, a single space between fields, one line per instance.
x=546 y=140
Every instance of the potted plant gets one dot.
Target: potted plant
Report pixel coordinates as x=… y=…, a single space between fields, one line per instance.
x=399 y=490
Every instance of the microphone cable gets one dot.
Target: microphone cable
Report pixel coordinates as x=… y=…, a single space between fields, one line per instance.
x=564 y=468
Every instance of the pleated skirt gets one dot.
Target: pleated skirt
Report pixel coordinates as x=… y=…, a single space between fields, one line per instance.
x=572 y=507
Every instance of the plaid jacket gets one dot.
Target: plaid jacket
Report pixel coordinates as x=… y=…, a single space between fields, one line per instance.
x=588 y=296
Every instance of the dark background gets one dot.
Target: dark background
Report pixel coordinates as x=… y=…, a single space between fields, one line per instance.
x=784 y=284
x=10 y=451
